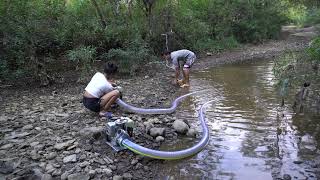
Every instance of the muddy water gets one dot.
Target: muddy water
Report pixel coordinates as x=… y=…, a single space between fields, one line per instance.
x=252 y=137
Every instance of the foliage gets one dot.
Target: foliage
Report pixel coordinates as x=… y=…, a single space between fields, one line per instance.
x=130 y=57
x=36 y=35
x=314 y=50
x=83 y=57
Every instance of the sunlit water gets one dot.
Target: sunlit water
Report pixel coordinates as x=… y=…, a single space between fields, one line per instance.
x=251 y=136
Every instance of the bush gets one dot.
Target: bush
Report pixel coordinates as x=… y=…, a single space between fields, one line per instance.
x=314 y=50
x=129 y=58
x=83 y=56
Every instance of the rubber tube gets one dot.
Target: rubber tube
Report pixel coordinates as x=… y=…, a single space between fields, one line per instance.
x=172 y=155
x=170 y=110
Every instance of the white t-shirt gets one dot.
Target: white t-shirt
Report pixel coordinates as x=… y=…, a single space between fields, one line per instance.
x=98 y=85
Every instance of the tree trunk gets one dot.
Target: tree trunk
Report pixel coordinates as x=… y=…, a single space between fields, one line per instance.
x=103 y=22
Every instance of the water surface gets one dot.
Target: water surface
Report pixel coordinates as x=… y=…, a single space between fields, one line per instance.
x=251 y=136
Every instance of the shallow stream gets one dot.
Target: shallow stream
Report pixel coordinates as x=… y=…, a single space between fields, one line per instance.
x=252 y=137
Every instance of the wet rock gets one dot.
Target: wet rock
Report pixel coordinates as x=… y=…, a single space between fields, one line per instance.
x=63 y=145
x=159 y=139
x=297 y=162
x=192 y=132
x=70 y=158
x=78 y=176
x=183 y=172
x=180 y=126
x=157 y=132
x=135 y=161
x=286 y=177
x=127 y=176
x=116 y=177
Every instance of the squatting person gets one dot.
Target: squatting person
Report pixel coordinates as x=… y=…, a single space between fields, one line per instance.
x=188 y=57
x=100 y=93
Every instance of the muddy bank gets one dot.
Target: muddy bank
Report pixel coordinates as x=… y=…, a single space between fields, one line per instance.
x=47 y=134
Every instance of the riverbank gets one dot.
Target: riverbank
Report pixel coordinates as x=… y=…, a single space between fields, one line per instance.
x=46 y=132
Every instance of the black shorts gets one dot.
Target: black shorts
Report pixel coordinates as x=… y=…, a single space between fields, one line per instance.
x=92 y=103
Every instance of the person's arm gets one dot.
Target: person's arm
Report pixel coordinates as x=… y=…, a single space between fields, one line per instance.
x=177 y=68
x=177 y=74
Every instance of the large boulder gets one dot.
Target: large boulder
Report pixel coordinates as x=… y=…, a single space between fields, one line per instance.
x=180 y=127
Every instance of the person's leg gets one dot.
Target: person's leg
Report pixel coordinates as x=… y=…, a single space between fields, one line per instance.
x=186 y=73
x=107 y=100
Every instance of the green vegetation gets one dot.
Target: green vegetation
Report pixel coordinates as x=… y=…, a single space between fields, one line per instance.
x=38 y=37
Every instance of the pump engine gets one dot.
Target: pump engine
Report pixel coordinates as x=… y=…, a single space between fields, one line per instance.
x=117 y=130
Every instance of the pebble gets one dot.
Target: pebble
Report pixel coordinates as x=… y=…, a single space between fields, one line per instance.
x=159 y=139
x=70 y=158
x=78 y=176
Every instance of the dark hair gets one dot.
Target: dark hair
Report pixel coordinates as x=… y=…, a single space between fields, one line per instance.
x=110 y=68
x=166 y=52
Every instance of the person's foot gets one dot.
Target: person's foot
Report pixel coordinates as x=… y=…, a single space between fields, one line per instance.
x=105 y=114
x=180 y=82
x=185 y=85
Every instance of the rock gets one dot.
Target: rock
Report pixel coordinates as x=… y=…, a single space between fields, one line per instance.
x=64 y=176
x=286 y=177
x=297 y=162
x=180 y=126
x=209 y=54
x=70 y=158
x=159 y=139
x=6 y=146
x=148 y=126
x=183 y=172
x=84 y=164
x=127 y=176
x=33 y=144
x=107 y=171
x=27 y=127
x=63 y=145
x=51 y=155
x=50 y=168
x=135 y=161
x=157 y=131
x=57 y=172
x=6 y=167
x=92 y=173
x=192 y=132
x=46 y=177
x=116 y=177
x=91 y=131
x=78 y=176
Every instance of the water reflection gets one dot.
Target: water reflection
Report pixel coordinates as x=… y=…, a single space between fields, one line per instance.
x=251 y=136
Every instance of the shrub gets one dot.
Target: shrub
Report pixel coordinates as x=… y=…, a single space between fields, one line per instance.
x=83 y=56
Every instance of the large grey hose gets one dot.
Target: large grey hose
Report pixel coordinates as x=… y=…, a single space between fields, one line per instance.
x=173 y=107
x=171 y=155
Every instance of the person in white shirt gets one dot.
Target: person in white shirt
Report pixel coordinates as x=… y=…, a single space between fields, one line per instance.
x=188 y=58
x=100 y=93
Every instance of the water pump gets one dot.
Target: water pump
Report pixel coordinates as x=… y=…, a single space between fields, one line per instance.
x=117 y=130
